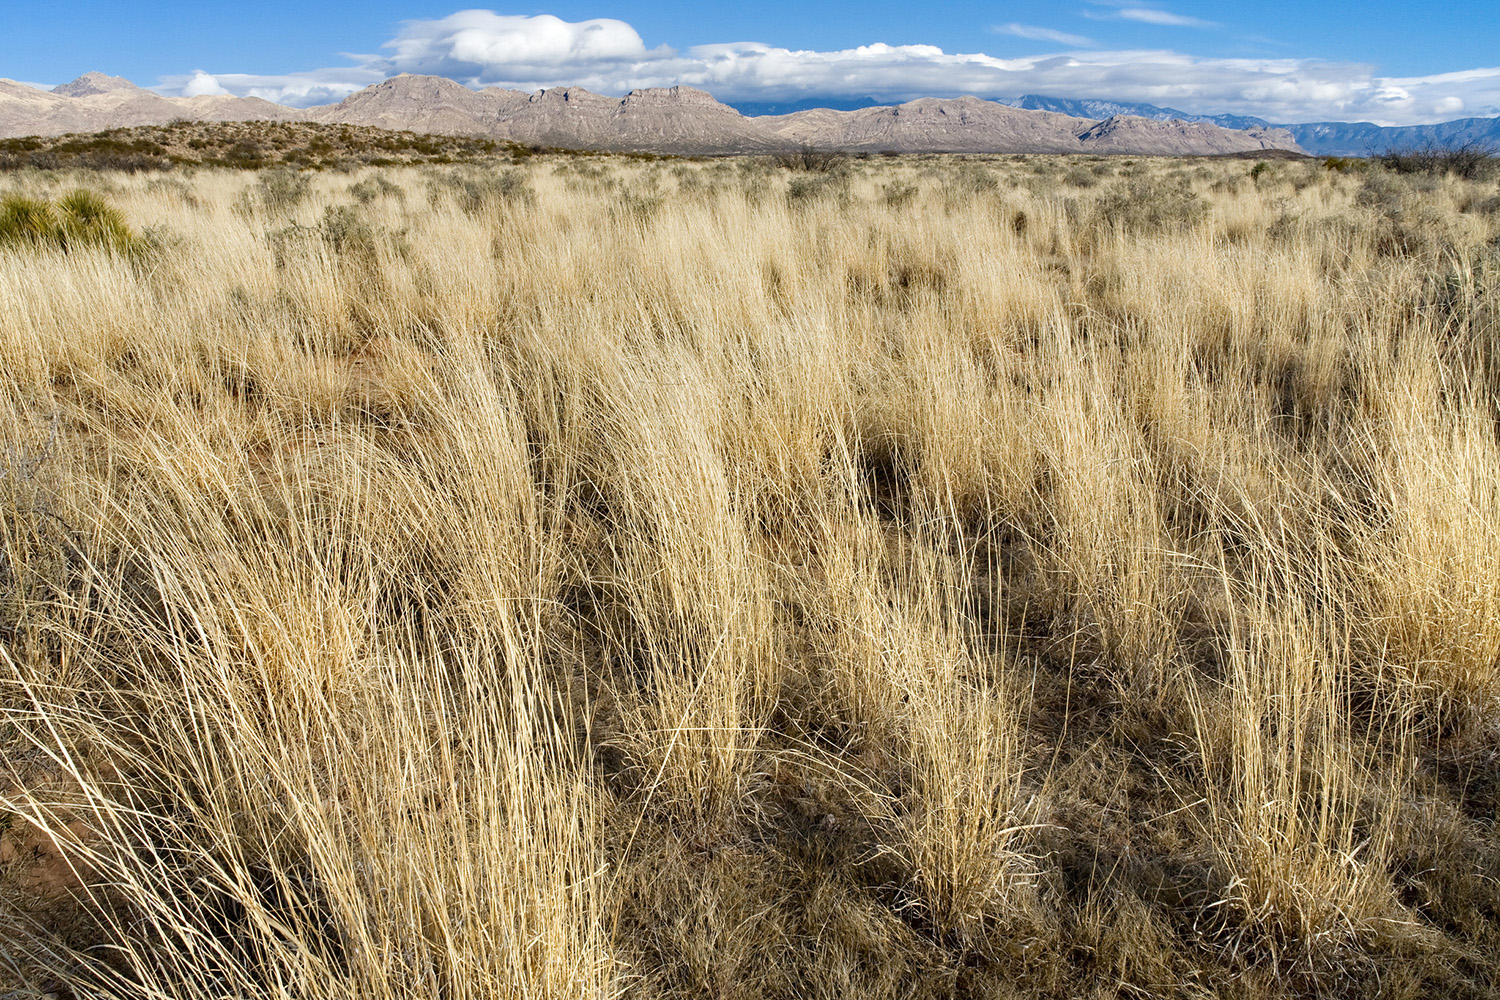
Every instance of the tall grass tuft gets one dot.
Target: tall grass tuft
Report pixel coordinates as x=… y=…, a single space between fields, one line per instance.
x=27 y=221
x=80 y=218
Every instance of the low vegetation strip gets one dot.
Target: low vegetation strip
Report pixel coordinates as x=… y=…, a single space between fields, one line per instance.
x=246 y=146
x=564 y=576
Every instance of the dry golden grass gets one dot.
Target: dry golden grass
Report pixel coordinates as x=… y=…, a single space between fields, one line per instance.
x=593 y=577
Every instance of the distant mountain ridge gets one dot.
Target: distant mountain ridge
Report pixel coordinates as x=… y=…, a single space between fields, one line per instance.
x=680 y=120
x=1089 y=108
x=1366 y=139
x=95 y=102
x=1317 y=138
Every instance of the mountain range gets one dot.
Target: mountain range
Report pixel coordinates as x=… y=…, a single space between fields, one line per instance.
x=1317 y=138
x=685 y=120
x=670 y=120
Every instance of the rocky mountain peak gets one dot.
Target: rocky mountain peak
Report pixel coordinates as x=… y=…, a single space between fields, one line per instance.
x=678 y=95
x=563 y=95
x=94 y=82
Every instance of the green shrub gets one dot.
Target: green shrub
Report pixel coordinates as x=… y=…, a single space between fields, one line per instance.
x=376 y=186
x=247 y=154
x=1342 y=164
x=1080 y=177
x=29 y=221
x=80 y=218
x=347 y=233
x=812 y=187
x=85 y=219
x=477 y=191
x=1382 y=192
x=282 y=190
x=1142 y=207
x=973 y=179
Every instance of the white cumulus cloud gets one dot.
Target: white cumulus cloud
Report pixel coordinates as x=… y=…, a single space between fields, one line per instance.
x=202 y=85
x=300 y=90
x=483 y=48
x=478 y=43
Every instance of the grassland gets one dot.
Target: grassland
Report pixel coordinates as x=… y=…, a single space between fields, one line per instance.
x=911 y=577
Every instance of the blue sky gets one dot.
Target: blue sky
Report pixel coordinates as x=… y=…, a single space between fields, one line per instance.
x=1386 y=61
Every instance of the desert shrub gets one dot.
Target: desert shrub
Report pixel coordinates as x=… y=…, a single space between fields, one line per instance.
x=638 y=207
x=898 y=193
x=103 y=152
x=971 y=178
x=1343 y=164
x=477 y=191
x=346 y=231
x=343 y=231
x=690 y=179
x=175 y=188
x=26 y=144
x=813 y=160
x=1146 y=208
x=641 y=198
x=1381 y=192
x=113 y=150
x=281 y=191
x=818 y=186
x=289 y=242
x=375 y=186
x=1471 y=161
x=1080 y=178
x=129 y=163
x=753 y=177
x=802 y=189
x=1414 y=232
x=247 y=154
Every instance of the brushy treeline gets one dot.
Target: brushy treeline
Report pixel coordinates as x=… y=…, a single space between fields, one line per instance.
x=980 y=577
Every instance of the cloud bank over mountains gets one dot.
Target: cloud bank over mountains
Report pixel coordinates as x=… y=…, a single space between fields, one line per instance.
x=483 y=48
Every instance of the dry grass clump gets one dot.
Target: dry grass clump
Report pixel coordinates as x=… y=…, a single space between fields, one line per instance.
x=879 y=577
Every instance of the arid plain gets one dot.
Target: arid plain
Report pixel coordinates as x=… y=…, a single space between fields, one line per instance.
x=588 y=576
